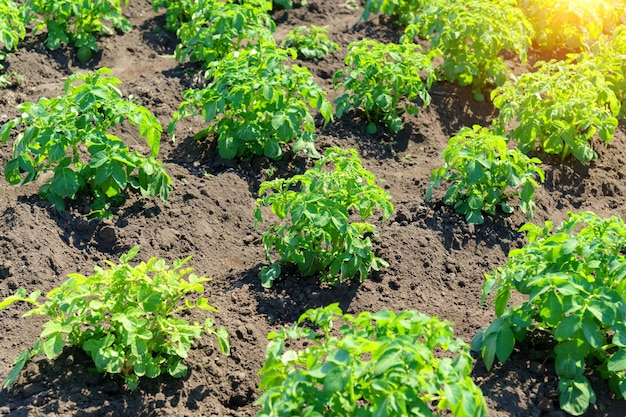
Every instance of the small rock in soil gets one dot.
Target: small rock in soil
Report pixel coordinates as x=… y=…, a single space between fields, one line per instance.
x=545 y=404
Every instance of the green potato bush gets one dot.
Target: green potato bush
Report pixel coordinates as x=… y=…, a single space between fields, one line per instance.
x=559 y=108
x=316 y=230
x=218 y=27
x=571 y=24
x=125 y=318
x=375 y=364
x=384 y=81
x=12 y=31
x=574 y=276
x=484 y=174
x=58 y=131
x=470 y=36
x=310 y=41
x=76 y=22
x=256 y=102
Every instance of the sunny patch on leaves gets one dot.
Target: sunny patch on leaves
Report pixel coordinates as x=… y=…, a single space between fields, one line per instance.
x=375 y=364
x=125 y=317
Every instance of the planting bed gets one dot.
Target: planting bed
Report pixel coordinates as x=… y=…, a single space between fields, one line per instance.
x=437 y=260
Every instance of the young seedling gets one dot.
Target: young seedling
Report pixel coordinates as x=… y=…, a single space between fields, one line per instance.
x=575 y=278
x=484 y=174
x=375 y=364
x=315 y=229
x=69 y=135
x=124 y=317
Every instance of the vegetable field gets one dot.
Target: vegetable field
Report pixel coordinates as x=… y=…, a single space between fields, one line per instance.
x=196 y=195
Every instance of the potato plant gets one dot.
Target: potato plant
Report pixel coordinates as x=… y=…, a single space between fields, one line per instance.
x=316 y=230
x=177 y=12
x=607 y=57
x=12 y=31
x=310 y=41
x=375 y=364
x=124 y=317
x=69 y=135
x=483 y=174
x=76 y=22
x=571 y=24
x=574 y=277
x=218 y=27
x=256 y=102
x=559 y=108
x=384 y=81
x=404 y=11
x=470 y=36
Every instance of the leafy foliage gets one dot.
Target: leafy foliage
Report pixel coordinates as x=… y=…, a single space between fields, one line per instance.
x=218 y=27
x=405 y=11
x=559 y=108
x=75 y=22
x=315 y=230
x=606 y=56
x=256 y=102
x=571 y=24
x=58 y=130
x=482 y=171
x=177 y=12
x=470 y=35
x=12 y=30
x=311 y=41
x=575 y=277
x=289 y=4
x=376 y=364
x=378 y=76
x=123 y=317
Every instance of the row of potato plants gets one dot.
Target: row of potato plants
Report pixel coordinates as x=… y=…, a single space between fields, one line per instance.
x=110 y=312
x=353 y=262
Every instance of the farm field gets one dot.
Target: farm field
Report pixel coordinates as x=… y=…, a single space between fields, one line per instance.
x=437 y=260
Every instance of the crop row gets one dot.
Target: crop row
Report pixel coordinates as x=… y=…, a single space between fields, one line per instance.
x=256 y=102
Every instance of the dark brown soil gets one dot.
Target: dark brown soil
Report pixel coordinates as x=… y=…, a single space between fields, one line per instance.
x=437 y=261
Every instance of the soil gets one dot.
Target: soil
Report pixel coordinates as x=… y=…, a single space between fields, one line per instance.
x=437 y=260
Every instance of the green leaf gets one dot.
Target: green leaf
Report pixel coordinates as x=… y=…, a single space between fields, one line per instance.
x=222 y=340
x=390 y=358
x=53 y=345
x=18 y=365
x=336 y=378
x=474 y=172
x=65 y=182
x=576 y=395
x=617 y=361
x=505 y=343
x=551 y=310
x=176 y=368
x=269 y=274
